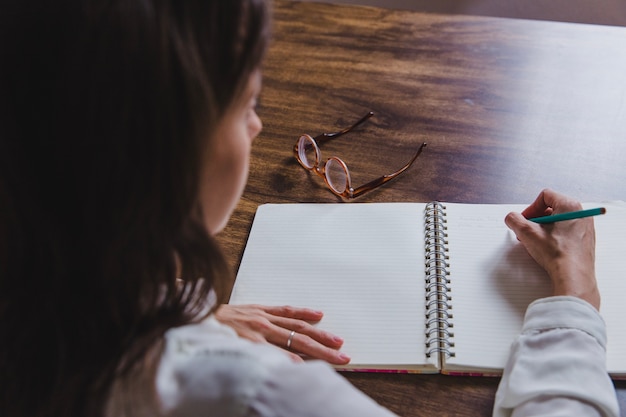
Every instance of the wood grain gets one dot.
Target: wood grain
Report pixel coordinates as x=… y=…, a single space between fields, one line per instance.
x=602 y=12
x=507 y=107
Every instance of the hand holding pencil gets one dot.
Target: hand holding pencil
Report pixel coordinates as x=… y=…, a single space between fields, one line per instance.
x=566 y=249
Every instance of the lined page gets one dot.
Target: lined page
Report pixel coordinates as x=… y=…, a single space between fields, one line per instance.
x=361 y=264
x=494 y=279
x=611 y=275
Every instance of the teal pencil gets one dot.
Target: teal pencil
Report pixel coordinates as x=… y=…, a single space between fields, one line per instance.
x=569 y=216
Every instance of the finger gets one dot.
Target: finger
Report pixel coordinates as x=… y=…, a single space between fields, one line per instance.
x=560 y=202
x=295 y=313
x=517 y=223
x=295 y=358
x=306 y=346
x=549 y=201
x=319 y=335
x=542 y=206
x=525 y=231
x=295 y=318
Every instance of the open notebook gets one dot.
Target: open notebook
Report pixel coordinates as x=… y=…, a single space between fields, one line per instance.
x=372 y=269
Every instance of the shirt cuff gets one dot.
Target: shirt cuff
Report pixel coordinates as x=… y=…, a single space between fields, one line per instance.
x=565 y=312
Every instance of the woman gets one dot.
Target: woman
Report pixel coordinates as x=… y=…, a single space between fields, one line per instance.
x=126 y=132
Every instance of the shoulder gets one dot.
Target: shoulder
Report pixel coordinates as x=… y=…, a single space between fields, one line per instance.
x=207 y=365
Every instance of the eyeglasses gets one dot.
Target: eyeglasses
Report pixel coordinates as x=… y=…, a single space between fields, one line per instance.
x=334 y=171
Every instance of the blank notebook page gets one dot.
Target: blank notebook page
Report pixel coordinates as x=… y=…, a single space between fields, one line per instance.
x=361 y=264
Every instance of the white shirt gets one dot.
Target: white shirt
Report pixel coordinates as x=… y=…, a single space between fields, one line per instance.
x=556 y=368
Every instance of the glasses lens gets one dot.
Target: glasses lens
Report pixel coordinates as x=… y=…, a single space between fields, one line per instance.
x=307 y=152
x=336 y=175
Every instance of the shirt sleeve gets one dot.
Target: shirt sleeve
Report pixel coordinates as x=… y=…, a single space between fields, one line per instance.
x=557 y=366
x=314 y=389
x=206 y=369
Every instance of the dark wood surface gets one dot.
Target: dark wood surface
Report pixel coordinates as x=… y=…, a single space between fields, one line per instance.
x=507 y=107
x=604 y=12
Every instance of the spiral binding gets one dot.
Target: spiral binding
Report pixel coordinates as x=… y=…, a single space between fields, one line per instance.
x=438 y=292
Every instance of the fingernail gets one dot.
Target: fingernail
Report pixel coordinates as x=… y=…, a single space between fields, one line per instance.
x=337 y=339
x=344 y=357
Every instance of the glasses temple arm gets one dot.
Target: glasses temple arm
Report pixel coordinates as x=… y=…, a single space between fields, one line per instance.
x=327 y=136
x=381 y=180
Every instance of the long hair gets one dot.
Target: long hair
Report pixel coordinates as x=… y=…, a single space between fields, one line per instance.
x=106 y=107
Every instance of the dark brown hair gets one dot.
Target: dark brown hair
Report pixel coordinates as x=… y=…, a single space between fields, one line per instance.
x=105 y=108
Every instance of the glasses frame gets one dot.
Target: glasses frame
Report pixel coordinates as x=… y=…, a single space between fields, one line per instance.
x=349 y=192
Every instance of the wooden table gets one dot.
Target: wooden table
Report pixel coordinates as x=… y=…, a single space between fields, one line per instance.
x=507 y=107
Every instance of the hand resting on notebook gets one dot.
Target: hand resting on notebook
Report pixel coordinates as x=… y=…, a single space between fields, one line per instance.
x=265 y=324
x=566 y=250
